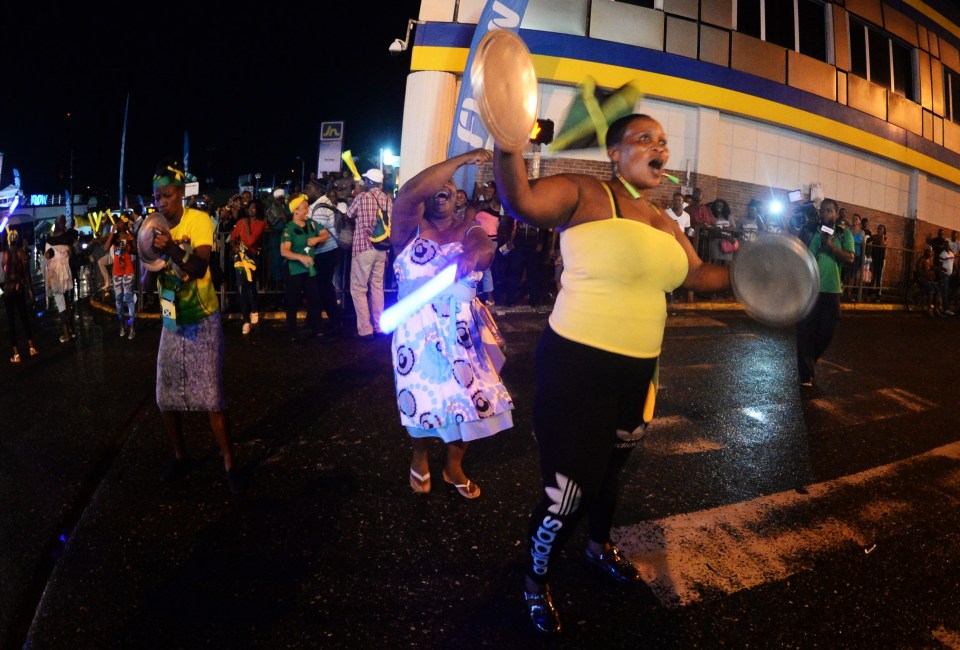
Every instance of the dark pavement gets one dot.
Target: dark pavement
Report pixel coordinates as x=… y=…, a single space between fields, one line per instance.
x=845 y=496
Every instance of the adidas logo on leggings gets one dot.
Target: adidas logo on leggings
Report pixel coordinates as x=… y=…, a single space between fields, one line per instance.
x=565 y=499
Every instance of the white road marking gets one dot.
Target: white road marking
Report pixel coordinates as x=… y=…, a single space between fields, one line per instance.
x=698 y=555
x=907 y=399
x=837 y=366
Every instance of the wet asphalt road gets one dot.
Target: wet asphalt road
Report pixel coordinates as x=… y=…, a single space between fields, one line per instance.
x=837 y=506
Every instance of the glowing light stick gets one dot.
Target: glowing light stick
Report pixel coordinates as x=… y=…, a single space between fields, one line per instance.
x=392 y=317
x=348 y=158
x=6 y=217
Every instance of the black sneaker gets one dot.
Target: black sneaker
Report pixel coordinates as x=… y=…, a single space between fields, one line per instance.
x=543 y=615
x=236 y=481
x=613 y=564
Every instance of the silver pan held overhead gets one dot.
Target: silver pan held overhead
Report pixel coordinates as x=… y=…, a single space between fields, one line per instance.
x=505 y=88
x=776 y=279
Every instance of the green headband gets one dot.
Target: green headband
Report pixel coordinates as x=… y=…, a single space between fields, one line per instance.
x=169 y=176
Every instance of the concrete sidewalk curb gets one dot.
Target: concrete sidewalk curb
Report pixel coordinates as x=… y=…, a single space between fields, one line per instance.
x=726 y=305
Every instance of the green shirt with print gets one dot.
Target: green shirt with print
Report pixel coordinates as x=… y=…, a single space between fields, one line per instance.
x=298 y=236
x=827 y=264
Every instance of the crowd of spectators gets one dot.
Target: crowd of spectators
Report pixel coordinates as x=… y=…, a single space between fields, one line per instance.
x=250 y=268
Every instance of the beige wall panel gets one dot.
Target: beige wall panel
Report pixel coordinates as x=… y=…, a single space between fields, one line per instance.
x=868 y=9
x=841 y=38
x=841 y=87
x=468 y=11
x=934 y=44
x=717 y=12
x=904 y=113
x=440 y=11
x=951 y=136
x=936 y=79
x=681 y=37
x=899 y=25
x=759 y=57
x=949 y=56
x=811 y=75
x=928 y=125
x=623 y=23
x=867 y=97
x=938 y=130
x=560 y=16
x=926 y=83
x=685 y=8
x=922 y=38
x=715 y=45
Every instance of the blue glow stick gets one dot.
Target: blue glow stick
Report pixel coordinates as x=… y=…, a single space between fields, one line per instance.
x=3 y=224
x=392 y=317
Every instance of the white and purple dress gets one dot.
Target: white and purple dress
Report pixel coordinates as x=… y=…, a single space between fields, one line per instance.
x=445 y=362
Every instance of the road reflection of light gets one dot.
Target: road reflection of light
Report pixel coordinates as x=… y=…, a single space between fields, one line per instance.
x=755 y=414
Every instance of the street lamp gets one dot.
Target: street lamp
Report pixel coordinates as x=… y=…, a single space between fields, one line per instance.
x=302 y=167
x=256 y=187
x=385 y=155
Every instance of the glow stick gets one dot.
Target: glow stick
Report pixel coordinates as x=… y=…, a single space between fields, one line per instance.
x=671 y=178
x=348 y=158
x=392 y=317
x=6 y=218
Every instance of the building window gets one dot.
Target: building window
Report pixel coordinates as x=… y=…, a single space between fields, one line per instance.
x=798 y=25
x=877 y=57
x=640 y=3
x=951 y=87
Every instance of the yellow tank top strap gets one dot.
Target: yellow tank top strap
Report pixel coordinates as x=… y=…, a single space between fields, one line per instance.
x=613 y=205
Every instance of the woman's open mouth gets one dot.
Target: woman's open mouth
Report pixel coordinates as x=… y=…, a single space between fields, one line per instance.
x=657 y=164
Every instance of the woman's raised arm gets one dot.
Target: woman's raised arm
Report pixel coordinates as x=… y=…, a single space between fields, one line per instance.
x=545 y=203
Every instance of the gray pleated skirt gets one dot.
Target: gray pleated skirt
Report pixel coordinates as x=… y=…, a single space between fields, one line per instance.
x=190 y=367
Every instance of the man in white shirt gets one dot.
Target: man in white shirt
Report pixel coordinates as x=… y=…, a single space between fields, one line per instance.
x=946 y=259
x=677 y=213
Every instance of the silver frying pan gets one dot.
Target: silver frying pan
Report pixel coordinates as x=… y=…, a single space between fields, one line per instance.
x=505 y=88
x=150 y=257
x=776 y=279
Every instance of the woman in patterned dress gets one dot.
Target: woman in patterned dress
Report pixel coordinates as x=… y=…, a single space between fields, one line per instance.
x=448 y=384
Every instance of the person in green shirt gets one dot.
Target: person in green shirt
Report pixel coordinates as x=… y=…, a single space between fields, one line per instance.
x=831 y=247
x=300 y=236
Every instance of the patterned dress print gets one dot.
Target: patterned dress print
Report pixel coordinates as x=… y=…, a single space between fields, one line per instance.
x=447 y=384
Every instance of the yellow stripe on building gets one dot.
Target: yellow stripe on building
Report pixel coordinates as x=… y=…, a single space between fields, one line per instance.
x=571 y=71
x=935 y=16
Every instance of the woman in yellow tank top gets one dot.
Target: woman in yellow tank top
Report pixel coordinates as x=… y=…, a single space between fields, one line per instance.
x=600 y=350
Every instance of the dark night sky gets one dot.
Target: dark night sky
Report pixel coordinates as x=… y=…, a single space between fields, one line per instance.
x=249 y=81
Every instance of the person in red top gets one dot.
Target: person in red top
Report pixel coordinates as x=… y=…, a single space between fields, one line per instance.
x=247 y=240
x=120 y=244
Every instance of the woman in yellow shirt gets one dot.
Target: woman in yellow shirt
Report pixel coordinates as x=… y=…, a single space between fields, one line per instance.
x=600 y=350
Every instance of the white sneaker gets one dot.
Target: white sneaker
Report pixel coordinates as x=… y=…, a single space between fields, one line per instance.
x=254 y=318
x=123 y=331
x=246 y=328
x=131 y=334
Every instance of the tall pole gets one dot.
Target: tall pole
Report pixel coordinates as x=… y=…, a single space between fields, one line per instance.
x=123 y=145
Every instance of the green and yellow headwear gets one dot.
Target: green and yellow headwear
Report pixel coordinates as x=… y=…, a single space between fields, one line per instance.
x=169 y=175
x=296 y=201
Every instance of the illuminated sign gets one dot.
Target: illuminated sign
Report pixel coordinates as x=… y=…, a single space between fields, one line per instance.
x=38 y=199
x=331 y=131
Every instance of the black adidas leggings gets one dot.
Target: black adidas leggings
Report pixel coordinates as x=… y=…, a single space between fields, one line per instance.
x=584 y=396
